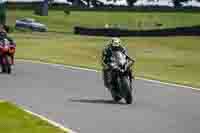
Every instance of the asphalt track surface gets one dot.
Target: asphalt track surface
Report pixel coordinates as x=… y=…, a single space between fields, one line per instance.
x=78 y=100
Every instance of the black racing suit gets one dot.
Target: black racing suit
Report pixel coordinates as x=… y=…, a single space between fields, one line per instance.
x=106 y=60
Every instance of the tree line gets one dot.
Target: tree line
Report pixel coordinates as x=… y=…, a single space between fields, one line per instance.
x=177 y=3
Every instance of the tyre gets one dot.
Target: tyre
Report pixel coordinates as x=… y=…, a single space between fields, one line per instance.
x=129 y=98
x=7 y=66
x=3 y=68
x=127 y=89
x=117 y=98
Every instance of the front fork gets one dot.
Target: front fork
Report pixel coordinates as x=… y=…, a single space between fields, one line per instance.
x=12 y=59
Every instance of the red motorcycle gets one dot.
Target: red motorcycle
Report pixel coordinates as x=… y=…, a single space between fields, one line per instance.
x=7 y=51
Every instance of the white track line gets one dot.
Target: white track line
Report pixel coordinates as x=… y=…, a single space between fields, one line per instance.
x=169 y=84
x=92 y=70
x=45 y=119
x=49 y=121
x=42 y=117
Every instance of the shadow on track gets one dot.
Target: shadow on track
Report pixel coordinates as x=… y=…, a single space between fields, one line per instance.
x=3 y=73
x=96 y=101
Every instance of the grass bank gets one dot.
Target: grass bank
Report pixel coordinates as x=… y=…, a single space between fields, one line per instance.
x=15 y=120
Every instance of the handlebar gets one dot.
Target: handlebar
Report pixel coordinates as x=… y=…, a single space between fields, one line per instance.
x=129 y=58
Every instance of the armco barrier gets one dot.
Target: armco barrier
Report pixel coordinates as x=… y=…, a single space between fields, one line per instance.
x=181 y=31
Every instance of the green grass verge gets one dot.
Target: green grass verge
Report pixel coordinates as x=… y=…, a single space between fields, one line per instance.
x=15 y=120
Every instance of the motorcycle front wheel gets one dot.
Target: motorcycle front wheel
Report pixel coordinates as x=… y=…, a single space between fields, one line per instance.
x=128 y=89
x=115 y=97
x=6 y=66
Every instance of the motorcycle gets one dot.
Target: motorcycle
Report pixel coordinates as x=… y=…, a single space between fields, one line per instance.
x=6 y=53
x=121 y=78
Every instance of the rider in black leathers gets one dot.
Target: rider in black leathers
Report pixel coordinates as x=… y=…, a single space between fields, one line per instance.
x=114 y=45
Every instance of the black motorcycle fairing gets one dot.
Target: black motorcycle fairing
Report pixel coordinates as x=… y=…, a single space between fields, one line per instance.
x=116 y=76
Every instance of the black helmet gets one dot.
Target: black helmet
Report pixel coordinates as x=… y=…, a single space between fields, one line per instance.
x=2 y=34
